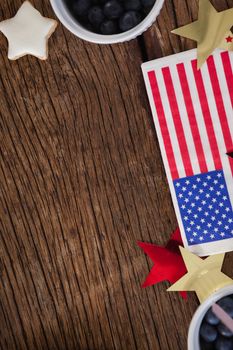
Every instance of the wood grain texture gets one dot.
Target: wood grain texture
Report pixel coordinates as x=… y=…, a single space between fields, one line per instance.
x=81 y=180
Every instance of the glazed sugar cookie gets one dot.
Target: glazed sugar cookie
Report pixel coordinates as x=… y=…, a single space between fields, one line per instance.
x=28 y=33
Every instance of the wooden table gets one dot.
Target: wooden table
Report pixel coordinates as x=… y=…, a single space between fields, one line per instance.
x=81 y=181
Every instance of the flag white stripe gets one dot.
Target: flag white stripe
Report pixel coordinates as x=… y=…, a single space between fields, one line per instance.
x=170 y=124
x=199 y=116
x=225 y=93
x=184 y=120
x=218 y=130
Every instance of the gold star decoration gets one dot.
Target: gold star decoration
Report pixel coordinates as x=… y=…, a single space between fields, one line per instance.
x=204 y=276
x=211 y=30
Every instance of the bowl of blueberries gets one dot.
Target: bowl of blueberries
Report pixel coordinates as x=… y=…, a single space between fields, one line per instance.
x=107 y=21
x=206 y=331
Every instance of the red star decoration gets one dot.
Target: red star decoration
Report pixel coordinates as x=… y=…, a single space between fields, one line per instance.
x=229 y=39
x=168 y=262
x=230 y=154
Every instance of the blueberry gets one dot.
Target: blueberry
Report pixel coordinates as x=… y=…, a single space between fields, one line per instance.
x=88 y=26
x=95 y=15
x=211 y=318
x=208 y=332
x=224 y=344
x=227 y=305
x=129 y=20
x=206 y=346
x=147 y=3
x=81 y=7
x=146 y=11
x=113 y=9
x=108 y=27
x=110 y=16
x=132 y=5
x=227 y=301
x=224 y=331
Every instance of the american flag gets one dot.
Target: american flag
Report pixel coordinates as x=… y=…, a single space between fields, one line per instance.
x=193 y=115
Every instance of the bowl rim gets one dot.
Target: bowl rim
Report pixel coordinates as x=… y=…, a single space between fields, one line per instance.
x=193 y=333
x=70 y=23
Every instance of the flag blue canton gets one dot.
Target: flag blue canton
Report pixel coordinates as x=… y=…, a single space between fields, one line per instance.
x=205 y=207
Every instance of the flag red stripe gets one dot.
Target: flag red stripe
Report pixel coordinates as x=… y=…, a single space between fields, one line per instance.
x=207 y=115
x=228 y=73
x=192 y=117
x=220 y=105
x=163 y=124
x=229 y=79
x=177 y=121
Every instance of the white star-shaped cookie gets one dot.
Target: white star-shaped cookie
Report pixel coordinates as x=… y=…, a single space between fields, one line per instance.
x=28 y=33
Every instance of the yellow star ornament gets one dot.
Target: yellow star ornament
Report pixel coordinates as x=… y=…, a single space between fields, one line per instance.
x=203 y=276
x=211 y=30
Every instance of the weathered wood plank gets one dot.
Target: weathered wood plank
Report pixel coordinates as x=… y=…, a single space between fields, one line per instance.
x=81 y=181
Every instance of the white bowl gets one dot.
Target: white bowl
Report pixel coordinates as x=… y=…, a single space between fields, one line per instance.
x=193 y=335
x=77 y=29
